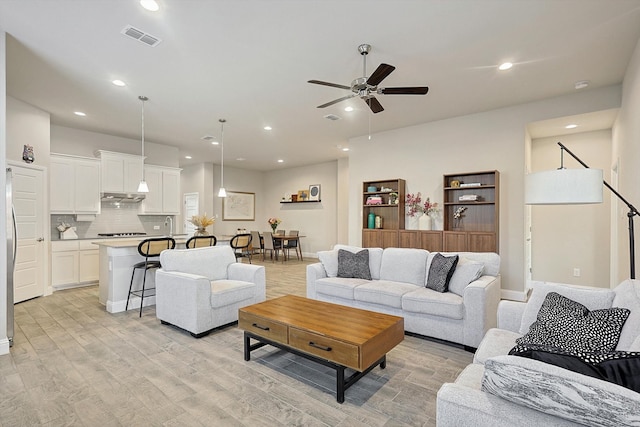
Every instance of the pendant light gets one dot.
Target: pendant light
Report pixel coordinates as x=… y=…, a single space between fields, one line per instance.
x=222 y=192
x=143 y=187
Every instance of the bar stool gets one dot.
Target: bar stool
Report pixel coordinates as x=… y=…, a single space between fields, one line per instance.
x=150 y=249
x=201 y=241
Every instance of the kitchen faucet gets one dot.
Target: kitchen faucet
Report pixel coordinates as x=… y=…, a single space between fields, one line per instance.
x=169 y=220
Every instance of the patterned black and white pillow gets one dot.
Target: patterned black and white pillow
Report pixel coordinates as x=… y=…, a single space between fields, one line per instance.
x=440 y=272
x=618 y=367
x=564 y=323
x=352 y=265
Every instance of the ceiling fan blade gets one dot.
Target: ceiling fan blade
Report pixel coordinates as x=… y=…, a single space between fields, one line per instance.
x=319 y=82
x=374 y=104
x=380 y=74
x=421 y=90
x=335 y=101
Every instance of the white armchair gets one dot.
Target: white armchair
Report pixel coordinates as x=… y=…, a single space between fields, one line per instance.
x=201 y=289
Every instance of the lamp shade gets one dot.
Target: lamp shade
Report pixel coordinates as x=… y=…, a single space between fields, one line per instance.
x=563 y=187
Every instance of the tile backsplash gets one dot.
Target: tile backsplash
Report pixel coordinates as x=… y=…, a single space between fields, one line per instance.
x=112 y=219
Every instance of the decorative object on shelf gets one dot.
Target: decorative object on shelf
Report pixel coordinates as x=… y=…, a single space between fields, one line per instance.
x=471 y=184
x=385 y=189
x=222 y=192
x=303 y=195
x=27 y=154
x=294 y=197
x=201 y=222
x=393 y=198
x=239 y=206
x=378 y=221
x=469 y=198
x=314 y=192
x=372 y=189
x=413 y=204
x=371 y=221
x=455 y=183
x=143 y=187
x=374 y=200
x=458 y=216
x=274 y=222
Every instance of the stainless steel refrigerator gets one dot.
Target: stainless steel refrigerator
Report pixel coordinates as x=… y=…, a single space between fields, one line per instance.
x=12 y=248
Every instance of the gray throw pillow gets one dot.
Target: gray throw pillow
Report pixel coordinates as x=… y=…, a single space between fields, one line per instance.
x=440 y=272
x=567 y=324
x=352 y=265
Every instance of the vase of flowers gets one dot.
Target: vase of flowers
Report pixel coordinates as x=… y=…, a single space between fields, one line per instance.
x=201 y=222
x=425 y=222
x=457 y=217
x=413 y=204
x=274 y=222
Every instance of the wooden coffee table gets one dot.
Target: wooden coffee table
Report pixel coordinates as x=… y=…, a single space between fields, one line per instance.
x=336 y=336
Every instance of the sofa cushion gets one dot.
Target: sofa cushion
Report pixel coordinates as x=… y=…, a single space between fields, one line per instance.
x=565 y=323
x=440 y=272
x=560 y=392
x=618 y=367
x=329 y=260
x=210 y=262
x=428 y=301
x=628 y=296
x=591 y=298
x=496 y=342
x=338 y=287
x=466 y=272
x=354 y=265
x=383 y=292
x=404 y=265
x=226 y=292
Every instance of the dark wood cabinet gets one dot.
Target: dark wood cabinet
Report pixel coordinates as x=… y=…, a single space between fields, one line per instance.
x=477 y=229
x=429 y=240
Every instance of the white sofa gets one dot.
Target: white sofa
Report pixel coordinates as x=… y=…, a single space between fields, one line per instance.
x=399 y=275
x=534 y=393
x=201 y=289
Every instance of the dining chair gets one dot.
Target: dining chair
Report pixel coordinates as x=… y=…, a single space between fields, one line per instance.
x=150 y=249
x=201 y=241
x=269 y=245
x=293 y=244
x=256 y=242
x=240 y=244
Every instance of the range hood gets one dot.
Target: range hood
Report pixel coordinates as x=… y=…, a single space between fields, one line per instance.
x=122 y=197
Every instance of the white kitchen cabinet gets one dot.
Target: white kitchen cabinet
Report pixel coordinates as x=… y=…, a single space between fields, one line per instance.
x=73 y=263
x=121 y=173
x=74 y=185
x=163 y=197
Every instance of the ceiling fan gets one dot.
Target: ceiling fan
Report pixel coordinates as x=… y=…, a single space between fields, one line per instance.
x=367 y=87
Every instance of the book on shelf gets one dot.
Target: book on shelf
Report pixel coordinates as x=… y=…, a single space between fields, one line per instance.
x=471 y=184
x=468 y=198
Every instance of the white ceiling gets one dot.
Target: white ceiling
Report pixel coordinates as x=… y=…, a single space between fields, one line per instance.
x=248 y=61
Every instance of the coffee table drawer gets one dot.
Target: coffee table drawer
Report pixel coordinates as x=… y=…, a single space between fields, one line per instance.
x=326 y=348
x=263 y=327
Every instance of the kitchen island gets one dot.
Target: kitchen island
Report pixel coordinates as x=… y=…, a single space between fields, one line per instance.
x=116 y=260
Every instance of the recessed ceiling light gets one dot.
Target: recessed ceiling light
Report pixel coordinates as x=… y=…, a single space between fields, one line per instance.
x=345 y=149
x=267 y=128
x=505 y=66
x=280 y=161
x=240 y=159
x=188 y=157
x=581 y=84
x=215 y=143
x=150 y=5
x=119 y=83
x=571 y=126
x=349 y=109
x=79 y=113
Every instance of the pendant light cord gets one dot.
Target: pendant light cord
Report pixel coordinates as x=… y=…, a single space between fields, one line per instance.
x=143 y=99
x=222 y=154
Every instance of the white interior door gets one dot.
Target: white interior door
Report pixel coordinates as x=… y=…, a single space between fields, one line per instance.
x=191 y=205
x=31 y=260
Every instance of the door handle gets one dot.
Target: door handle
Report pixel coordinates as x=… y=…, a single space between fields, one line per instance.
x=40 y=239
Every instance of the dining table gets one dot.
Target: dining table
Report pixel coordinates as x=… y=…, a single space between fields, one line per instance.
x=283 y=238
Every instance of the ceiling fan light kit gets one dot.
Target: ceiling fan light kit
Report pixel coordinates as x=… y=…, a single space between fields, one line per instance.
x=367 y=87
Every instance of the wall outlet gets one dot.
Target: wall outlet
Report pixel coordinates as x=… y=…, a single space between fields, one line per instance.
x=576 y=272
x=156 y=227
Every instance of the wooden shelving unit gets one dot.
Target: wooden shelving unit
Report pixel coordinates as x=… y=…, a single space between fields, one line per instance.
x=392 y=213
x=478 y=230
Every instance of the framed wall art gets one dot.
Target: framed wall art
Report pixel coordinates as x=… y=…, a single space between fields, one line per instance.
x=314 y=192
x=239 y=206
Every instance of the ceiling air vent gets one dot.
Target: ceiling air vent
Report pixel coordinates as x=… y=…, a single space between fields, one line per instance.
x=332 y=117
x=141 y=36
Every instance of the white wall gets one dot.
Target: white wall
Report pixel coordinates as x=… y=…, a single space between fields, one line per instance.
x=626 y=151
x=485 y=141
x=565 y=237
x=317 y=221
x=198 y=179
x=84 y=143
x=29 y=125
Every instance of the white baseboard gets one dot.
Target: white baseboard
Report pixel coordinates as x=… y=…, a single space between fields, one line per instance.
x=4 y=346
x=514 y=295
x=134 y=304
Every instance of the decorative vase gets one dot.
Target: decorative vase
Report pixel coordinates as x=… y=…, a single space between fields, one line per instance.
x=200 y=231
x=411 y=223
x=273 y=227
x=424 y=222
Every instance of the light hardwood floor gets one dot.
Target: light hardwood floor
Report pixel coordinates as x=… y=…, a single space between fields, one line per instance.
x=74 y=364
